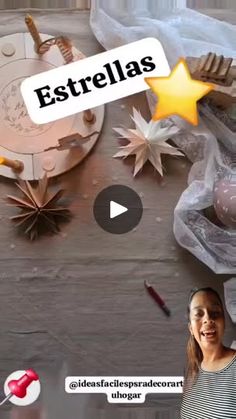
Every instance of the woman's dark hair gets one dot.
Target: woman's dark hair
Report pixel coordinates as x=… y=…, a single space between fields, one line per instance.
x=194 y=352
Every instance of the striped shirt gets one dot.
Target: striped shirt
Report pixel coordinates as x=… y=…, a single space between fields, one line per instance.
x=212 y=396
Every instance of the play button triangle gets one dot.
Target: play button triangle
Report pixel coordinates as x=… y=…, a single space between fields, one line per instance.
x=116 y=209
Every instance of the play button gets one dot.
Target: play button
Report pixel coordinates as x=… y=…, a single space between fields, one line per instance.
x=118 y=209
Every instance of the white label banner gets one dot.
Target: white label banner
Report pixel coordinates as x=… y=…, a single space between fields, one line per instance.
x=124 y=389
x=93 y=81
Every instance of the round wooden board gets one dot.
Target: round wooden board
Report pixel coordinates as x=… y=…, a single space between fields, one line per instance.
x=20 y=138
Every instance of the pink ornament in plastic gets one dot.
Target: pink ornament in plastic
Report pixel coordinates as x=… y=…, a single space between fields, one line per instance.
x=224 y=200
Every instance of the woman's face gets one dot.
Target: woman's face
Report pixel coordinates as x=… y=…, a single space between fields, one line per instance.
x=207 y=322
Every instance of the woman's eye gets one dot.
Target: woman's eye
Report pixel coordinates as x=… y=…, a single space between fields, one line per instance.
x=198 y=314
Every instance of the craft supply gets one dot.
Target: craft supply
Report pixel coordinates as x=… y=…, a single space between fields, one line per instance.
x=39 y=210
x=48 y=163
x=157 y=298
x=46 y=45
x=212 y=67
x=8 y=50
x=22 y=139
x=219 y=70
x=68 y=52
x=65 y=47
x=15 y=165
x=72 y=141
x=18 y=388
x=89 y=116
x=33 y=32
x=147 y=142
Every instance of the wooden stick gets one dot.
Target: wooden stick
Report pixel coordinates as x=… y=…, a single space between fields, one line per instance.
x=65 y=48
x=33 y=31
x=89 y=116
x=15 y=165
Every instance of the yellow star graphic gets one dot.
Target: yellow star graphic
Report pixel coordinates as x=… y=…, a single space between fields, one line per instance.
x=178 y=93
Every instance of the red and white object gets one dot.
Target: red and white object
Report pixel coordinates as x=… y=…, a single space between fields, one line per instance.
x=22 y=388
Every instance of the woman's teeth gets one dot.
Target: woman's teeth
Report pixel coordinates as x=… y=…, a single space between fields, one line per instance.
x=209 y=333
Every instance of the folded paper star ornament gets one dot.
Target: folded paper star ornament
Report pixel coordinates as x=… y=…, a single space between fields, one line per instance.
x=178 y=93
x=40 y=211
x=147 y=142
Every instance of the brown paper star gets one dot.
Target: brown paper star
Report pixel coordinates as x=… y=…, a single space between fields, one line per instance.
x=39 y=209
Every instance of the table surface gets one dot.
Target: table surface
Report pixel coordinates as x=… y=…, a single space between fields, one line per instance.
x=75 y=303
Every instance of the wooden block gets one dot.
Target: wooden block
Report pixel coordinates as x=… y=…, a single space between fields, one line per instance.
x=223 y=71
x=217 y=63
x=209 y=62
x=202 y=62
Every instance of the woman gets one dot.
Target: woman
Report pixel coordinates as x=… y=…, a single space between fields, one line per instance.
x=210 y=383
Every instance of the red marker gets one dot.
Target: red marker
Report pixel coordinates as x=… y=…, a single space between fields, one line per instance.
x=19 y=387
x=157 y=298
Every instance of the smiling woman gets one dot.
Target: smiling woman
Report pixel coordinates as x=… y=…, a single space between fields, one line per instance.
x=209 y=389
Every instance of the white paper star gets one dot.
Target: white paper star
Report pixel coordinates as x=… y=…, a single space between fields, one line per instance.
x=147 y=141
